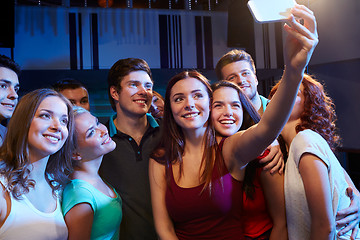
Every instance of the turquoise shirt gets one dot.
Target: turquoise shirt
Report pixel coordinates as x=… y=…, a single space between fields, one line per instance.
x=107 y=210
x=264 y=102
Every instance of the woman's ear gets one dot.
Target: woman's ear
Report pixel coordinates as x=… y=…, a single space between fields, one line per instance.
x=76 y=157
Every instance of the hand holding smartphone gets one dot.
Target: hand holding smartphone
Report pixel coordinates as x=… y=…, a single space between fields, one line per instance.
x=270 y=10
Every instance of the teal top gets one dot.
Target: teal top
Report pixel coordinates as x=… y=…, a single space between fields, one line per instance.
x=264 y=102
x=107 y=210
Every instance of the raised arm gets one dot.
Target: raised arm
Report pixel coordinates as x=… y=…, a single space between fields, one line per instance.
x=300 y=42
x=163 y=224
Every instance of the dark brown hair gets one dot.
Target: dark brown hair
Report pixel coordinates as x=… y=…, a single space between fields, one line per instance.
x=250 y=112
x=172 y=143
x=14 y=151
x=234 y=55
x=122 y=68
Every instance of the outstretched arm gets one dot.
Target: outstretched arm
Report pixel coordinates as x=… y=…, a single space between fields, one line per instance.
x=163 y=224
x=300 y=42
x=349 y=218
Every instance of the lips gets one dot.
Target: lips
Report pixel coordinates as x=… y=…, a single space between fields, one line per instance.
x=53 y=138
x=191 y=115
x=8 y=105
x=227 y=121
x=141 y=101
x=107 y=140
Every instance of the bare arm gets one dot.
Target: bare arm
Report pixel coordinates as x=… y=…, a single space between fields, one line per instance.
x=314 y=174
x=273 y=187
x=301 y=40
x=5 y=205
x=79 y=220
x=349 y=218
x=163 y=224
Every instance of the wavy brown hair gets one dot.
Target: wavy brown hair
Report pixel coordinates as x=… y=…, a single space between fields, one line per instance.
x=15 y=163
x=172 y=144
x=319 y=111
x=249 y=112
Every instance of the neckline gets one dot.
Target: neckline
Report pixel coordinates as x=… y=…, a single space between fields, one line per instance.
x=31 y=205
x=184 y=188
x=87 y=183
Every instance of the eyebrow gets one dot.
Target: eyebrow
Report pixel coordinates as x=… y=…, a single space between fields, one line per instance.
x=52 y=112
x=9 y=82
x=193 y=91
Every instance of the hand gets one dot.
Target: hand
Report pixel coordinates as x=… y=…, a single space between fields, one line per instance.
x=301 y=40
x=274 y=160
x=349 y=218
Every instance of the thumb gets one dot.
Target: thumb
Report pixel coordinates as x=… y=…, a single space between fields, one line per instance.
x=350 y=193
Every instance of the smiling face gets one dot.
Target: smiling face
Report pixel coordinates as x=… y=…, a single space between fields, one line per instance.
x=92 y=137
x=135 y=96
x=48 y=129
x=9 y=86
x=241 y=74
x=189 y=101
x=157 y=107
x=226 y=111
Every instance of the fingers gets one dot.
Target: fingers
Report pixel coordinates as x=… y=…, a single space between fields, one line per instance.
x=278 y=165
x=354 y=232
x=350 y=193
x=351 y=226
x=300 y=11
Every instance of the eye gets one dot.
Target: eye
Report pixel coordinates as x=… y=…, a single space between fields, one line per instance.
x=148 y=86
x=246 y=73
x=72 y=102
x=91 y=132
x=16 y=89
x=236 y=105
x=198 y=95
x=45 y=116
x=4 y=86
x=216 y=105
x=64 y=121
x=231 y=78
x=178 y=99
x=133 y=84
x=84 y=101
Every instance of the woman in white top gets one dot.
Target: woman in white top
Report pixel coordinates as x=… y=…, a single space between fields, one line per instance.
x=315 y=182
x=35 y=163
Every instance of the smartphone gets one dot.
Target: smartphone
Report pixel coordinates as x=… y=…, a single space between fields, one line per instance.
x=265 y=11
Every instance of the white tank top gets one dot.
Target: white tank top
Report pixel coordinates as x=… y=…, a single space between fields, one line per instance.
x=27 y=222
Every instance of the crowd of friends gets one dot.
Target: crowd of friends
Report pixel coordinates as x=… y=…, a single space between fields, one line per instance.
x=206 y=161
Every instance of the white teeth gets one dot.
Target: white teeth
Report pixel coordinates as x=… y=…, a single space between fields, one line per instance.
x=227 y=121
x=52 y=138
x=140 y=101
x=191 y=115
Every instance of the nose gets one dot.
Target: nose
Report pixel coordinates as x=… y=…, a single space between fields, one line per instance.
x=102 y=132
x=190 y=103
x=228 y=111
x=242 y=80
x=55 y=124
x=12 y=94
x=142 y=90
